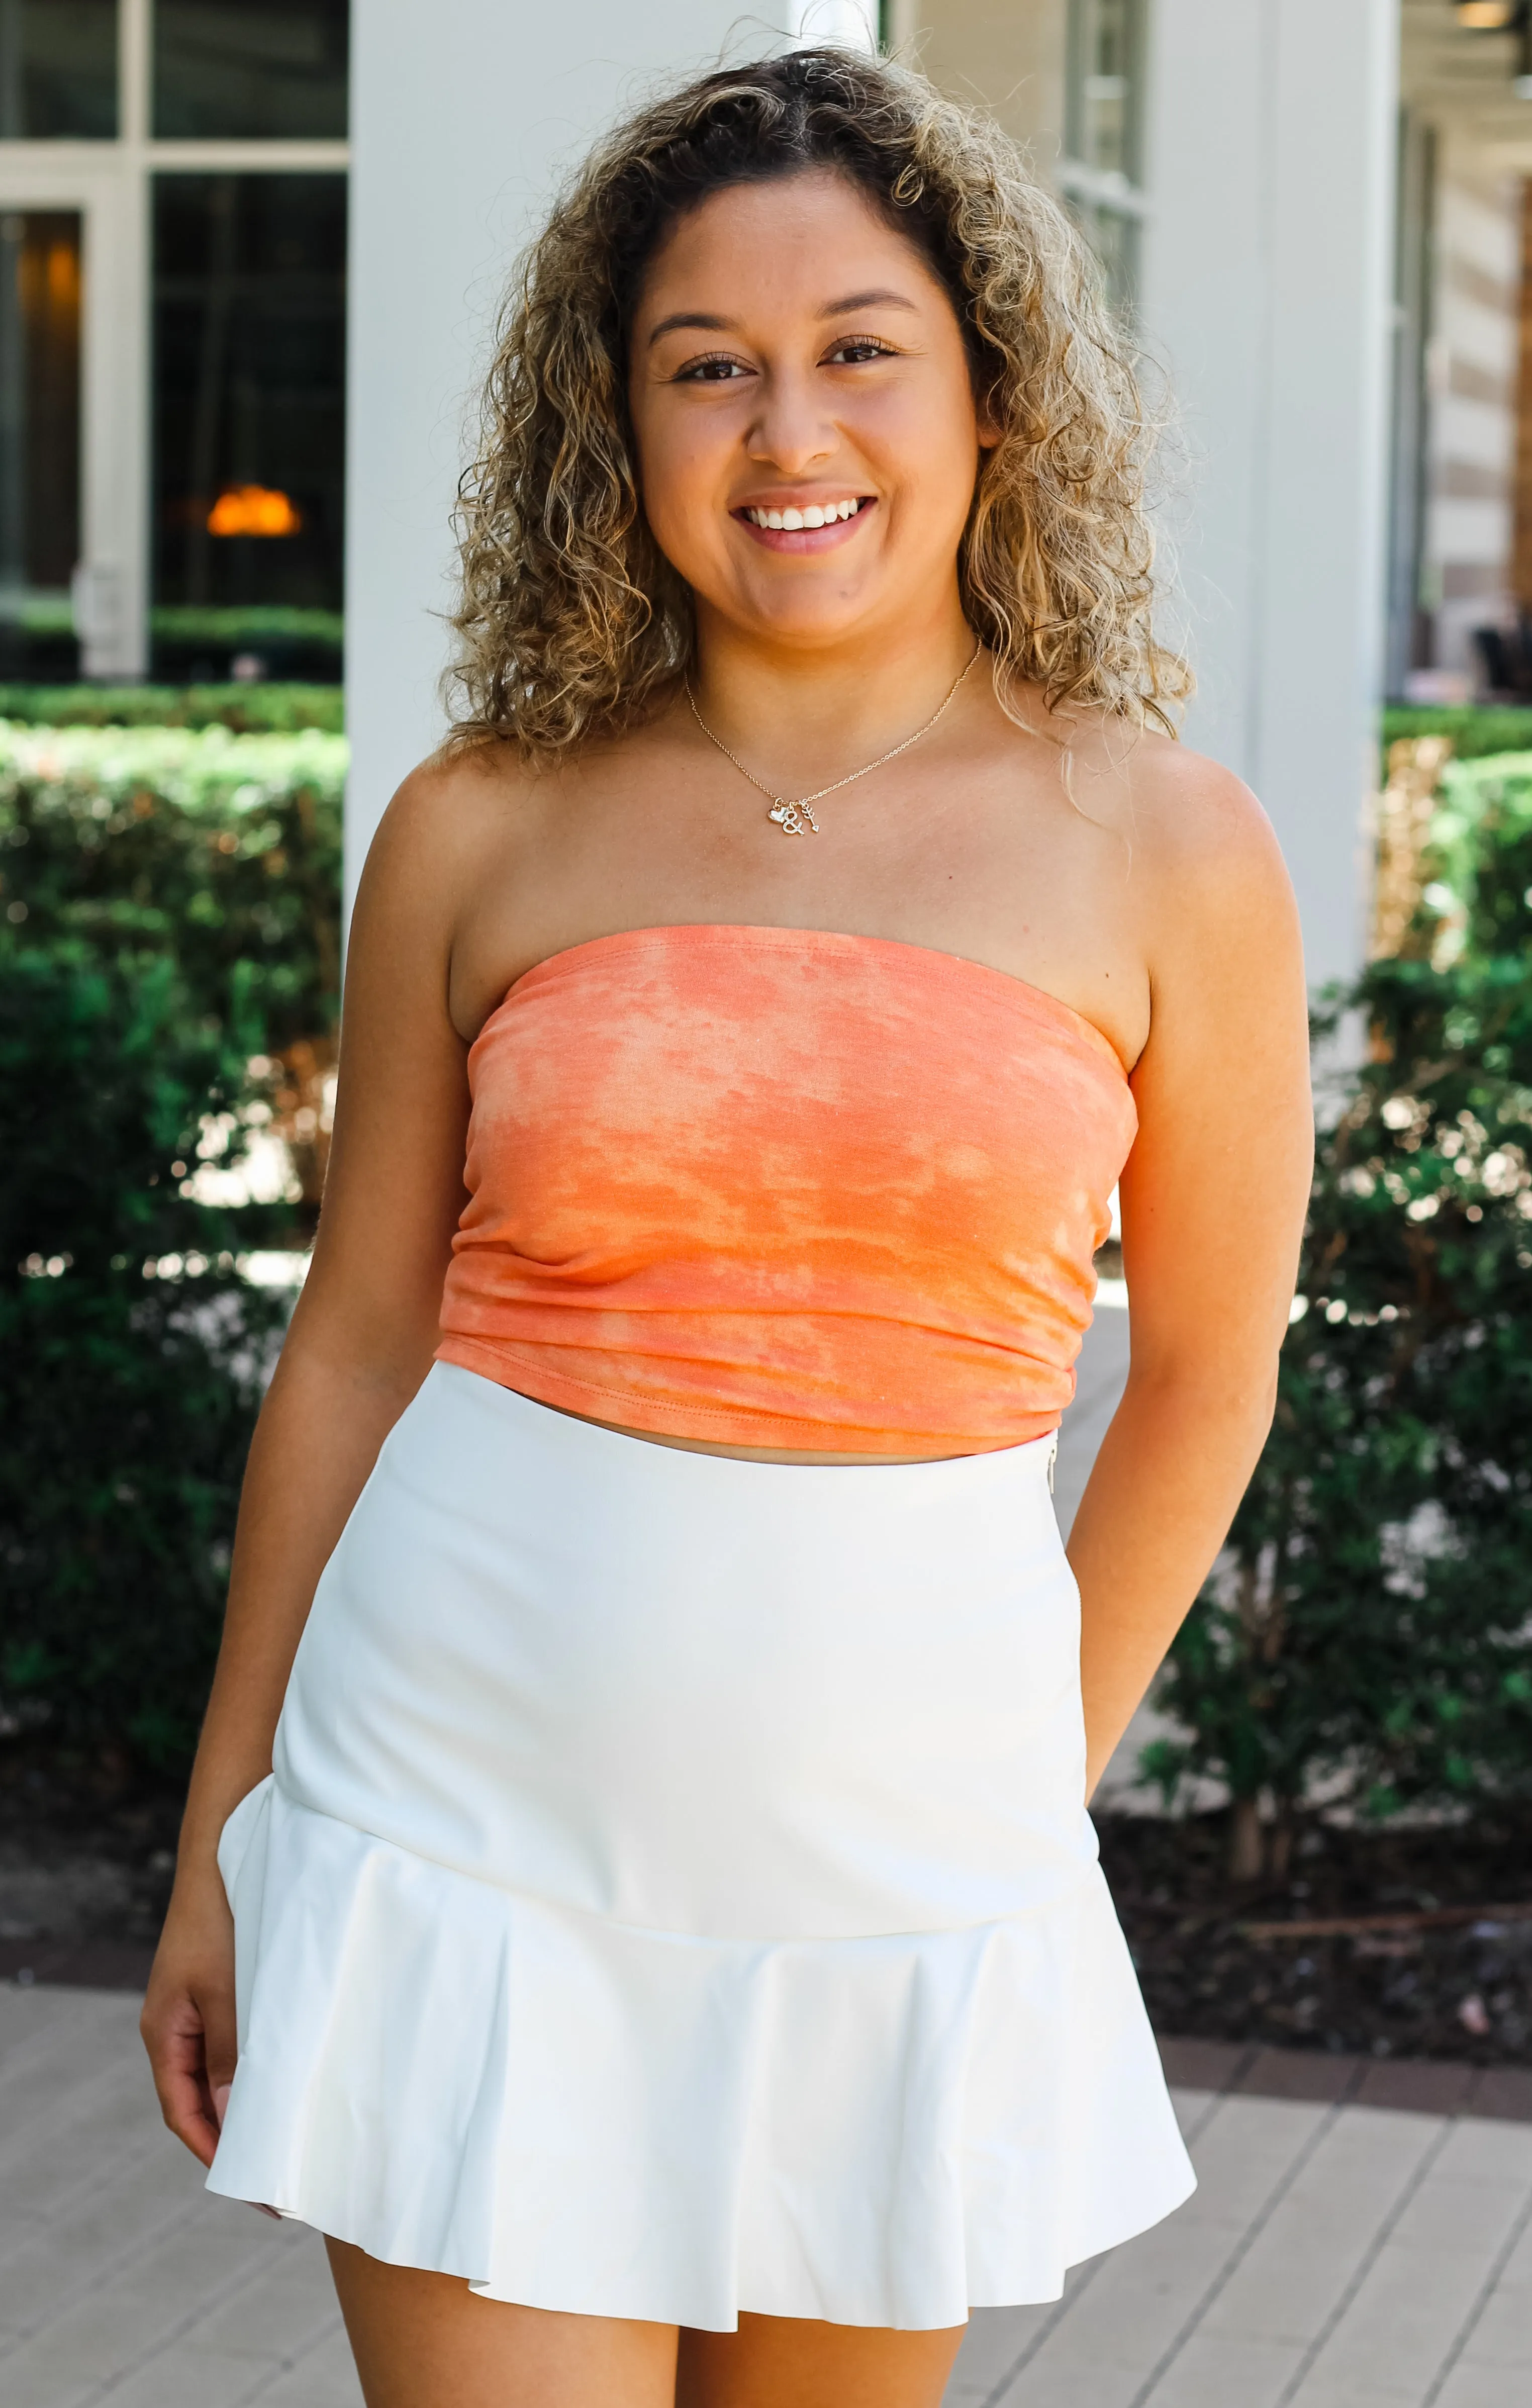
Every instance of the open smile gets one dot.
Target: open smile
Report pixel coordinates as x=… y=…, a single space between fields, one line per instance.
x=806 y=526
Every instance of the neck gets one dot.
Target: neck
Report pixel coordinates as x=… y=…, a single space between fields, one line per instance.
x=806 y=714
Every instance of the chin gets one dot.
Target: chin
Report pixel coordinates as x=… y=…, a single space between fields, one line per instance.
x=799 y=623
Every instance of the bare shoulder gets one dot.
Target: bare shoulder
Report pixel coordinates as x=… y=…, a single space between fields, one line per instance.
x=1185 y=814
x=1204 y=855
x=451 y=825
x=449 y=811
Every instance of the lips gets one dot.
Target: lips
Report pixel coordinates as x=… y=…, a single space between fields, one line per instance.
x=804 y=524
x=791 y=516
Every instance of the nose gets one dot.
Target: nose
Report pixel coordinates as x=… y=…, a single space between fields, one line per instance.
x=790 y=431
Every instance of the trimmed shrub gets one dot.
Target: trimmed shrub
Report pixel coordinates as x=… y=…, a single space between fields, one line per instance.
x=244 y=710
x=1367 y=1634
x=132 y=1349
x=220 y=852
x=1472 y=729
x=168 y=952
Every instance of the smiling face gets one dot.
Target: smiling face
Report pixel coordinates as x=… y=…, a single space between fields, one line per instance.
x=807 y=429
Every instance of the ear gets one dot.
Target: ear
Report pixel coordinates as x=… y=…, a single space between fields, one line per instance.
x=986 y=423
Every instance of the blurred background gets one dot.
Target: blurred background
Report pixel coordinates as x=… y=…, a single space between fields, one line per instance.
x=249 y=254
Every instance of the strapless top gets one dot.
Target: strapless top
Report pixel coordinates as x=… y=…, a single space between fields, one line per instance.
x=782 y=1188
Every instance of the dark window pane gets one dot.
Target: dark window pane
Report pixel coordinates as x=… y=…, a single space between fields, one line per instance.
x=1103 y=132
x=250 y=67
x=1106 y=79
x=58 y=70
x=39 y=439
x=250 y=356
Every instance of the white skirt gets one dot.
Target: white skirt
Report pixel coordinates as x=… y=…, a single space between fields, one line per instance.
x=674 y=1895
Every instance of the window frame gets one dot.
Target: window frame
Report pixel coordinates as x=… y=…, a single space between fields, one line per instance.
x=1113 y=194
x=108 y=179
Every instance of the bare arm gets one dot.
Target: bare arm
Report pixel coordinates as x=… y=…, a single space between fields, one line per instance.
x=1213 y=1201
x=360 y=1344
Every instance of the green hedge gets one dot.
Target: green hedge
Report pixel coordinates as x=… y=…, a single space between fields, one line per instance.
x=168 y=926
x=219 y=852
x=246 y=709
x=1473 y=729
x=1369 y=1630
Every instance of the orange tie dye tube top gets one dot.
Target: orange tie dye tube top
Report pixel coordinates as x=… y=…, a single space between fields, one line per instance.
x=778 y=1187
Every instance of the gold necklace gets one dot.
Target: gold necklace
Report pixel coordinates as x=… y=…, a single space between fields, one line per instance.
x=795 y=817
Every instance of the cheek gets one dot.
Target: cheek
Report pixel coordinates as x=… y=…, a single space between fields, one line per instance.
x=679 y=462
x=928 y=445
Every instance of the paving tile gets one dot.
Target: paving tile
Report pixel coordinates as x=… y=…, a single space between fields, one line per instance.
x=995 y=2338
x=1411 y=2309
x=25 y=2013
x=79 y=2031
x=324 y=2378
x=1481 y=2149
x=1245 y=2147
x=119 y=2220
x=1353 y=2390
x=1502 y=2336
x=1152 y=2290
x=114 y=2329
x=1057 y=2385
x=1504 y=2090
x=185 y=2380
x=1203 y=2064
x=1218 y=2370
x=1473 y=2387
x=1418 y=2084
x=68 y=2139
x=1300 y=2073
x=1001 y=2342
x=288 y=2304
x=1294 y=2275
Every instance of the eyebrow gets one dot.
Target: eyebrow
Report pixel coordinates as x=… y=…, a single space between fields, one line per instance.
x=699 y=320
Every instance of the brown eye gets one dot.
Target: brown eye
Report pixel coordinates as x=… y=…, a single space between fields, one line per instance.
x=857 y=348
x=717 y=371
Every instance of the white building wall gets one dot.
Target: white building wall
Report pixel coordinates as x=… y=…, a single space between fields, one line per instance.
x=1471 y=370
x=1265 y=286
x=463 y=116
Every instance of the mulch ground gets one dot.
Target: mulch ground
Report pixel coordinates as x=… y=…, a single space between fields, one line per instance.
x=1440 y=1968
x=1444 y=1970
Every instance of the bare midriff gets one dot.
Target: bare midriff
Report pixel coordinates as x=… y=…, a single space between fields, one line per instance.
x=785 y=1194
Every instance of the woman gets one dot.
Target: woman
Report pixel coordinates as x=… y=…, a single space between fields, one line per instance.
x=671 y=1960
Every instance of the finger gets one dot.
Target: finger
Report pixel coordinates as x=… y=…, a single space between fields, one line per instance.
x=221 y=2039
x=175 y=2034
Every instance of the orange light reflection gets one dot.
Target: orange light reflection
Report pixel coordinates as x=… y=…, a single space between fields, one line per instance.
x=253 y=509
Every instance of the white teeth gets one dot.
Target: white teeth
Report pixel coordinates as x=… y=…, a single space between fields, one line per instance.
x=810 y=516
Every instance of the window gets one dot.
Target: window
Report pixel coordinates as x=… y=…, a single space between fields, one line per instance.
x=249 y=333
x=58 y=70
x=1101 y=172
x=172 y=337
x=250 y=69
x=39 y=438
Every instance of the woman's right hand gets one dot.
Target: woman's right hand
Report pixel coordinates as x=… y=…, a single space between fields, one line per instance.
x=188 y=2023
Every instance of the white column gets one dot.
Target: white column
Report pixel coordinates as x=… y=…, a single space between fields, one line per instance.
x=462 y=116
x=1268 y=292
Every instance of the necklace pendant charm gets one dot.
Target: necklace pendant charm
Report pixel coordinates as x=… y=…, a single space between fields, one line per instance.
x=794 y=819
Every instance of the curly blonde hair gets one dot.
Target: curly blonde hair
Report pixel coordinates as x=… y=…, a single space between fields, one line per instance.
x=571 y=625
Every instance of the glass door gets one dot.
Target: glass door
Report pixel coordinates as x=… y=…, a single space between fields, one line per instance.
x=41 y=277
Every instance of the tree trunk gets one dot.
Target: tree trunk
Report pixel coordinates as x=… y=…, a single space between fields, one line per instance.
x=1247 y=1840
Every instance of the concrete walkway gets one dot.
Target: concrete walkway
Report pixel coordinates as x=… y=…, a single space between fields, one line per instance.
x=1337 y=2256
